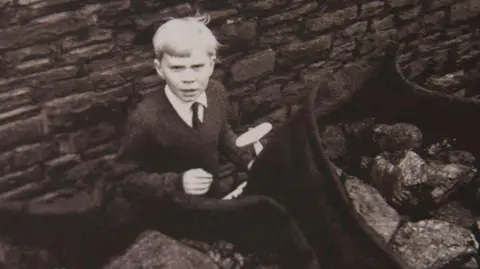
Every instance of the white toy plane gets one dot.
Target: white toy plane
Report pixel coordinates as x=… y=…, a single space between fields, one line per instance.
x=252 y=136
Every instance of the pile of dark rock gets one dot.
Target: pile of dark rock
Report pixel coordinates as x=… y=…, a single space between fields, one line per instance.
x=419 y=197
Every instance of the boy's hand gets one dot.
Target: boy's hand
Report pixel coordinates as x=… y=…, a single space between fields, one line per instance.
x=196 y=181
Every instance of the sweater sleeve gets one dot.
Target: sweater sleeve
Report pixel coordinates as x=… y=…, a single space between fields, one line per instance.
x=134 y=151
x=241 y=157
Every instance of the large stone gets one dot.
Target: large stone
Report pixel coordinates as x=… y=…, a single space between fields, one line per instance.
x=22 y=35
x=60 y=112
x=355 y=29
x=307 y=50
x=410 y=13
x=383 y=23
x=370 y=204
x=280 y=35
x=434 y=4
x=372 y=8
x=52 y=75
x=155 y=19
x=434 y=18
x=399 y=136
x=88 y=53
x=33 y=66
x=62 y=88
x=253 y=66
x=55 y=168
x=29 y=155
x=289 y=14
x=464 y=10
x=16 y=98
x=18 y=179
x=94 y=35
x=265 y=4
x=15 y=133
x=91 y=136
x=402 y=3
x=456 y=213
x=29 y=53
x=434 y=244
x=238 y=30
x=327 y=20
x=155 y=250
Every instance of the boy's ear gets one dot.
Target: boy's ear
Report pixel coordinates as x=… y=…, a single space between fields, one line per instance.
x=213 y=60
x=159 y=68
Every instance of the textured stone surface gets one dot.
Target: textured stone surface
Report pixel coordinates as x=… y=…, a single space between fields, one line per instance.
x=434 y=244
x=253 y=65
x=155 y=250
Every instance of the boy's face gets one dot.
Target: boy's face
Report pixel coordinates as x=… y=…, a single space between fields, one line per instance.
x=187 y=77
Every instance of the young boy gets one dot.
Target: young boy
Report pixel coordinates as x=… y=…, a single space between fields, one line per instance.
x=175 y=135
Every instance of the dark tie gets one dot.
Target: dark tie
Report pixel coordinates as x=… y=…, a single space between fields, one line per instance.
x=196 y=123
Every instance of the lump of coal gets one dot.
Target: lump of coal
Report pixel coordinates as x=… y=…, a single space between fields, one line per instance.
x=400 y=181
x=399 y=136
x=445 y=179
x=434 y=244
x=156 y=250
x=408 y=181
x=369 y=203
x=361 y=131
x=455 y=213
x=335 y=143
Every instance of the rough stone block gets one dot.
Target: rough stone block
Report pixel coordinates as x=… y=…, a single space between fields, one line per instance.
x=60 y=112
x=29 y=155
x=266 y=5
x=22 y=35
x=91 y=136
x=33 y=66
x=434 y=4
x=243 y=91
x=410 y=13
x=218 y=15
x=299 y=50
x=18 y=179
x=289 y=15
x=402 y=3
x=18 y=114
x=88 y=53
x=94 y=35
x=62 y=88
x=464 y=10
x=280 y=35
x=355 y=29
x=342 y=50
x=253 y=66
x=100 y=150
x=409 y=31
x=147 y=82
x=328 y=20
x=56 y=167
x=29 y=53
x=19 y=132
x=370 y=204
x=433 y=18
x=5 y=162
x=239 y=30
x=383 y=23
x=51 y=75
x=157 y=18
x=372 y=8
x=19 y=97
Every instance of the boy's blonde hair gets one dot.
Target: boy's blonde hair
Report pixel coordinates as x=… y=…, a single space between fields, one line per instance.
x=179 y=36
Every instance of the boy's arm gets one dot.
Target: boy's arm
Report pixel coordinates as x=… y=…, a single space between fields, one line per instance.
x=134 y=148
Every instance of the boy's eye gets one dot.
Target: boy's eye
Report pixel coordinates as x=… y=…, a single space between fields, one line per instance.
x=176 y=67
x=197 y=66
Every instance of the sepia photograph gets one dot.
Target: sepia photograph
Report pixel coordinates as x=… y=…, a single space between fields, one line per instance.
x=239 y=134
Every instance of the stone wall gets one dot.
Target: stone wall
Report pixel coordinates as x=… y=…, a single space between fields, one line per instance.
x=71 y=69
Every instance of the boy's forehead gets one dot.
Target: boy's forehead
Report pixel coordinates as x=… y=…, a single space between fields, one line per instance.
x=195 y=57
